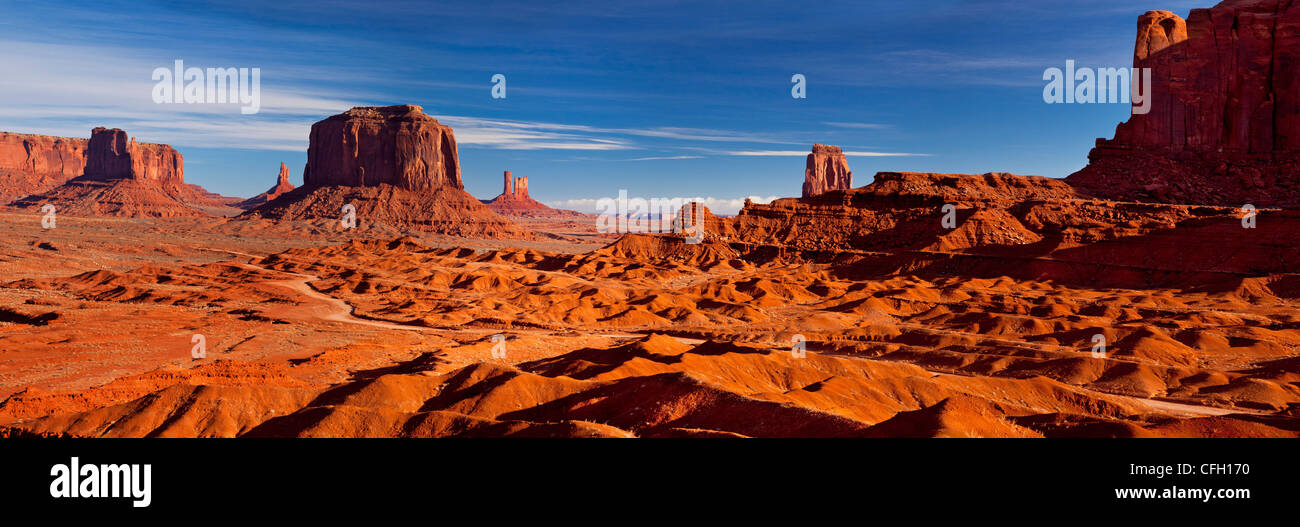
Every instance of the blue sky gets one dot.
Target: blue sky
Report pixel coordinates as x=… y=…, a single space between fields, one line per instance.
x=662 y=98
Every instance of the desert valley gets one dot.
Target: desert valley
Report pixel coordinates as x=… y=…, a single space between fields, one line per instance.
x=1153 y=293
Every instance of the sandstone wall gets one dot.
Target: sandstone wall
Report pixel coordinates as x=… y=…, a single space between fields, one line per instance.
x=395 y=145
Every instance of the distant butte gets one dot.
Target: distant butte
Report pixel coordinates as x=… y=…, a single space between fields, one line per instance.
x=827 y=169
x=121 y=177
x=31 y=164
x=398 y=167
x=282 y=187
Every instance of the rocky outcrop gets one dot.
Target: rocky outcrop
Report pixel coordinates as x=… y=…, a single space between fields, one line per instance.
x=520 y=190
x=112 y=154
x=282 y=184
x=827 y=170
x=515 y=201
x=396 y=167
x=35 y=163
x=282 y=187
x=124 y=178
x=1224 y=125
x=1023 y=227
x=374 y=145
x=514 y=196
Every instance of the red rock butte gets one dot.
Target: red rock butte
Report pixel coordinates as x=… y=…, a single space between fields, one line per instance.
x=397 y=166
x=1224 y=122
x=112 y=154
x=373 y=145
x=827 y=170
x=36 y=163
x=119 y=177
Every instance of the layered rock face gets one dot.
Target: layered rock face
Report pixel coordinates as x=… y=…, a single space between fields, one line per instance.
x=1023 y=227
x=35 y=163
x=1224 y=126
x=121 y=177
x=515 y=189
x=521 y=187
x=827 y=170
x=397 y=167
x=374 y=145
x=112 y=154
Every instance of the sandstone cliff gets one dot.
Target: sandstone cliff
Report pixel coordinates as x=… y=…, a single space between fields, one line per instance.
x=1224 y=126
x=827 y=170
x=124 y=178
x=397 y=167
x=373 y=145
x=36 y=163
x=112 y=154
x=1005 y=225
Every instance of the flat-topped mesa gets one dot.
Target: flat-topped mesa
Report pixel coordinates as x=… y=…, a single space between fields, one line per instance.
x=112 y=154
x=1223 y=125
x=827 y=169
x=373 y=145
x=35 y=163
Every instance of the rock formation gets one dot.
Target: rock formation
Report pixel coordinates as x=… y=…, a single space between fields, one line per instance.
x=515 y=201
x=1022 y=227
x=112 y=154
x=124 y=178
x=36 y=163
x=1224 y=125
x=374 y=145
x=521 y=187
x=516 y=188
x=397 y=166
x=282 y=187
x=827 y=170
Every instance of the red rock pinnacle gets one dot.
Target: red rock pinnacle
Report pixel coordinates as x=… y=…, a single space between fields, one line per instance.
x=827 y=169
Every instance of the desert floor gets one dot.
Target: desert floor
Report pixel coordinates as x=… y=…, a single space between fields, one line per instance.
x=312 y=331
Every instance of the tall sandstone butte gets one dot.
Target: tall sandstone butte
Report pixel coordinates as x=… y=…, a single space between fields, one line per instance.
x=1224 y=126
x=827 y=170
x=123 y=178
x=397 y=167
x=112 y=154
x=30 y=164
x=373 y=145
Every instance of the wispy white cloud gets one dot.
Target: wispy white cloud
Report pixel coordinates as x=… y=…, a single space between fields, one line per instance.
x=860 y=126
x=723 y=206
x=524 y=135
x=801 y=153
x=659 y=158
x=534 y=135
x=69 y=89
